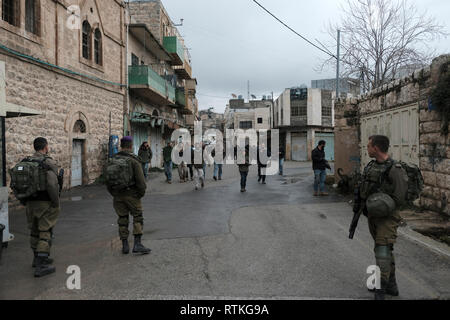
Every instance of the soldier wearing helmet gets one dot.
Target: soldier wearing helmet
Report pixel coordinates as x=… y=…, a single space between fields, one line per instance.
x=383 y=189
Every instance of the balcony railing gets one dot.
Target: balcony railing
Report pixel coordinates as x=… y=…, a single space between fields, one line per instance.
x=174 y=47
x=180 y=97
x=184 y=71
x=149 y=83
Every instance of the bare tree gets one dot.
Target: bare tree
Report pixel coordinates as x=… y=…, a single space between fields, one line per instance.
x=380 y=37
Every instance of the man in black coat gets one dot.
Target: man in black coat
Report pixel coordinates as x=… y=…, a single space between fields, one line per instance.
x=319 y=166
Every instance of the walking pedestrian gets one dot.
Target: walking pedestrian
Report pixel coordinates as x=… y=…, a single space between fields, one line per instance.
x=281 y=155
x=262 y=165
x=145 y=153
x=167 y=157
x=320 y=164
x=244 y=167
x=199 y=178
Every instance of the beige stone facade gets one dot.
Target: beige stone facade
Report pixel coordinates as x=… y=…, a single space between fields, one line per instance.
x=433 y=154
x=80 y=99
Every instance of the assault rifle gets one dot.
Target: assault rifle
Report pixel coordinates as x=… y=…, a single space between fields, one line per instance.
x=358 y=208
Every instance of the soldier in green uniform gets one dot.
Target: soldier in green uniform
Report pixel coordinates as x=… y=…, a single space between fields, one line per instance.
x=127 y=200
x=383 y=191
x=43 y=210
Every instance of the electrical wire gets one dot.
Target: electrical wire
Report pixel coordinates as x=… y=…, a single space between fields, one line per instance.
x=304 y=38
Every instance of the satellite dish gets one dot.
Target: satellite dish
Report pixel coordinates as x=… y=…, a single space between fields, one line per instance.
x=253 y=96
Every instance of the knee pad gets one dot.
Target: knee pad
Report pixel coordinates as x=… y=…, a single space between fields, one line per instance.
x=382 y=252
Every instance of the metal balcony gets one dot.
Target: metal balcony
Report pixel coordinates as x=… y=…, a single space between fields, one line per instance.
x=174 y=47
x=145 y=82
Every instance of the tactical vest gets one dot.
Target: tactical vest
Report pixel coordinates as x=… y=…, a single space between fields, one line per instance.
x=374 y=178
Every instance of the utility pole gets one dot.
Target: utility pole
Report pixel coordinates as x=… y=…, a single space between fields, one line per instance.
x=248 y=90
x=338 y=60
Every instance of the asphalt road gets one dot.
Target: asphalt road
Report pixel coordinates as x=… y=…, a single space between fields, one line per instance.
x=274 y=242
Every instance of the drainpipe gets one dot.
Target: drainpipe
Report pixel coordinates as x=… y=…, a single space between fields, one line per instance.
x=127 y=21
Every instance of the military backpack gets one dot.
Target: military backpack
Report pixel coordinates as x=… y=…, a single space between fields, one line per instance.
x=119 y=174
x=28 y=177
x=373 y=179
x=415 y=180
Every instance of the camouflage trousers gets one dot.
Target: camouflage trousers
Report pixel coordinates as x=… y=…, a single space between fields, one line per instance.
x=41 y=218
x=126 y=206
x=384 y=233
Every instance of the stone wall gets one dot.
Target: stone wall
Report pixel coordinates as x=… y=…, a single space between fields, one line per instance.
x=83 y=91
x=62 y=100
x=434 y=151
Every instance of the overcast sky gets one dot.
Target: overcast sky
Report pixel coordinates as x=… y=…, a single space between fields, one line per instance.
x=232 y=41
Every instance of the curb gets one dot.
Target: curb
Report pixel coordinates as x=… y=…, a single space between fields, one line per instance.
x=425 y=241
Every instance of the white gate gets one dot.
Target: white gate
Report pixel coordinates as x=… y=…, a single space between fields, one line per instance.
x=298 y=147
x=77 y=169
x=401 y=126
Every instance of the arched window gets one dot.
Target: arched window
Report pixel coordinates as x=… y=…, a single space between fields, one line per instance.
x=86 y=40
x=79 y=127
x=98 y=47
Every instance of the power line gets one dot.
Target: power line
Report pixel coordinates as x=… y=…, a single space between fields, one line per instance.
x=310 y=42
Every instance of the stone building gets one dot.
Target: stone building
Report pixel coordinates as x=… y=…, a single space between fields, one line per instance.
x=65 y=59
x=255 y=114
x=403 y=111
x=304 y=117
x=162 y=90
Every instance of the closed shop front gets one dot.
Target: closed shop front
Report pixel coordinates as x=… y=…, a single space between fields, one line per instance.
x=298 y=147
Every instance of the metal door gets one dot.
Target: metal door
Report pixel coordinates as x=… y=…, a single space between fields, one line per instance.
x=329 y=144
x=155 y=145
x=298 y=147
x=77 y=169
x=140 y=134
x=401 y=126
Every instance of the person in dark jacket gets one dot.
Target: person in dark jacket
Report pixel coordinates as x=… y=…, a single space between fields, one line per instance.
x=320 y=164
x=243 y=167
x=262 y=165
x=145 y=153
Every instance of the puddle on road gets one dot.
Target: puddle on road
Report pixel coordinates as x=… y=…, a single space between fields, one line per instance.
x=293 y=178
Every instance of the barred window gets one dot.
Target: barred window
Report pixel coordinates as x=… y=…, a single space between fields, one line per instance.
x=32 y=16
x=86 y=40
x=98 y=47
x=299 y=108
x=11 y=12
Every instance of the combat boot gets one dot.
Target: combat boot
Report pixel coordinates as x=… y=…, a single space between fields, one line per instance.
x=138 y=247
x=43 y=269
x=125 y=246
x=380 y=294
x=46 y=261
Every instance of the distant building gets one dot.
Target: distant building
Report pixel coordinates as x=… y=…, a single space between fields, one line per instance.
x=255 y=114
x=347 y=86
x=304 y=117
